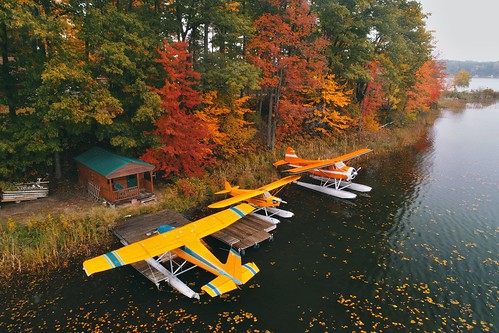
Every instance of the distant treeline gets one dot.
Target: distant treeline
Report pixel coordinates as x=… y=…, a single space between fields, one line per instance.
x=475 y=68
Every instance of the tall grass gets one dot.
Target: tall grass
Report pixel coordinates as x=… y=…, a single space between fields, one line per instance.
x=49 y=242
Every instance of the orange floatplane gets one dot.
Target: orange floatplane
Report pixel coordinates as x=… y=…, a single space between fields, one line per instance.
x=333 y=174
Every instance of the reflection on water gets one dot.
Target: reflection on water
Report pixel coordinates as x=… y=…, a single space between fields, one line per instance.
x=417 y=254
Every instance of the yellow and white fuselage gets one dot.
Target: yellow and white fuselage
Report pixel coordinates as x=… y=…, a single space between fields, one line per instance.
x=186 y=243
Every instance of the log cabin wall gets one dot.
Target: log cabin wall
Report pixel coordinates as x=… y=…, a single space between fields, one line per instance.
x=114 y=177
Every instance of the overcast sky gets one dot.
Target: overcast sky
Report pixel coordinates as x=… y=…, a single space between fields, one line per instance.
x=464 y=29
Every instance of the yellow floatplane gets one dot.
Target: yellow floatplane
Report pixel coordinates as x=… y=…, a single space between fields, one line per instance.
x=185 y=242
x=263 y=198
x=334 y=175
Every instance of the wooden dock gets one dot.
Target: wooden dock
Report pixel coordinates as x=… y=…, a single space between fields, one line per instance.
x=135 y=228
x=244 y=233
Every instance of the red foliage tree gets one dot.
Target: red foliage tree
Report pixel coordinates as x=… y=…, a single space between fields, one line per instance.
x=373 y=100
x=288 y=50
x=426 y=91
x=182 y=139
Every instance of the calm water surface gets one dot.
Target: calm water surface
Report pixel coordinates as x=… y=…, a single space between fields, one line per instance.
x=480 y=83
x=418 y=254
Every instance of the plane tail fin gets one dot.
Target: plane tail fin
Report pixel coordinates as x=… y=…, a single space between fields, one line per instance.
x=239 y=274
x=227 y=188
x=289 y=157
x=290 y=154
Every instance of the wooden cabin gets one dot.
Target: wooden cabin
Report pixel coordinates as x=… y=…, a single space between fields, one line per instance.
x=113 y=177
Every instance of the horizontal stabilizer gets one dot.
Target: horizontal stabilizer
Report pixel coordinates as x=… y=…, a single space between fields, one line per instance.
x=223 y=284
x=236 y=274
x=219 y=285
x=249 y=270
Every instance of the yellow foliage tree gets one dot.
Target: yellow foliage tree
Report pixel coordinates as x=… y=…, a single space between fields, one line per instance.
x=328 y=107
x=232 y=133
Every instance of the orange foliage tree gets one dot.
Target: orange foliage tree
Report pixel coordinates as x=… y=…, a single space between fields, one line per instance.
x=231 y=133
x=181 y=136
x=289 y=52
x=426 y=91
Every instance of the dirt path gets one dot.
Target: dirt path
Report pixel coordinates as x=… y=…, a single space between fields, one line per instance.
x=63 y=197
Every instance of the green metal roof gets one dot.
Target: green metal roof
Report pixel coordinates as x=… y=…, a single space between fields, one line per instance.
x=105 y=162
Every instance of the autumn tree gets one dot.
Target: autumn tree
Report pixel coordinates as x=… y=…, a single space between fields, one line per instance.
x=55 y=100
x=328 y=116
x=289 y=52
x=461 y=79
x=78 y=65
x=373 y=100
x=402 y=45
x=231 y=132
x=181 y=145
x=347 y=24
x=120 y=43
x=427 y=89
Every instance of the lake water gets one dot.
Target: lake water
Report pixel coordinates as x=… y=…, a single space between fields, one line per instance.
x=481 y=83
x=417 y=254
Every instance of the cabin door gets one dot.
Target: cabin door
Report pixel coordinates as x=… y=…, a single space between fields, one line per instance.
x=131 y=181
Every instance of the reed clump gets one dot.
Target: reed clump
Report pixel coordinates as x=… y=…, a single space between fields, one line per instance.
x=51 y=241
x=458 y=100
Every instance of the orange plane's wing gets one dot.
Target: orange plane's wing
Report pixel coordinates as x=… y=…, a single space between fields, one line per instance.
x=278 y=183
x=325 y=163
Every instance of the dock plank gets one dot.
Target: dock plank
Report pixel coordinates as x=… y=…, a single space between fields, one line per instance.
x=134 y=228
x=246 y=232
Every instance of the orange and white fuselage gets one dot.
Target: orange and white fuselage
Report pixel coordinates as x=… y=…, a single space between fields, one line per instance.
x=333 y=173
x=338 y=170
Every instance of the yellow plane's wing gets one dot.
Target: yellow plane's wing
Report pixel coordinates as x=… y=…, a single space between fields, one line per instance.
x=159 y=244
x=278 y=183
x=326 y=163
x=248 y=194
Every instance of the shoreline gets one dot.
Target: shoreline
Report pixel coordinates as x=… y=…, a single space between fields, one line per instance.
x=48 y=242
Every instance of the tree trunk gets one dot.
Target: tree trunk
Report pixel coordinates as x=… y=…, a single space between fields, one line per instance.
x=57 y=165
x=7 y=80
x=270 y=126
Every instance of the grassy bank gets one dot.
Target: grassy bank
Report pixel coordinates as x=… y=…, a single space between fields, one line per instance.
x=49 y=242
x=458 y=100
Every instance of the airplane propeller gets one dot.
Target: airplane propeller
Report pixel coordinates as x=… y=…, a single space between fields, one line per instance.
x=276 y=200
x=355 y=172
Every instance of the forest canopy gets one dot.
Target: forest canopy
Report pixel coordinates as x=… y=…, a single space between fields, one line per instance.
x=187 y=84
